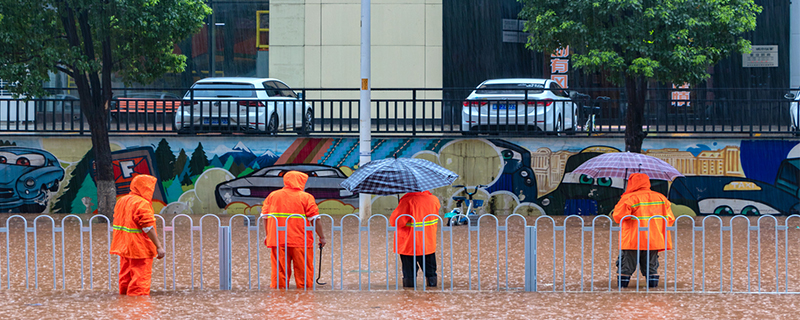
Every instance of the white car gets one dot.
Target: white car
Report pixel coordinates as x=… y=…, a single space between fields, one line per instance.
x=242 y=104
x=793 y=111
x=518 y=105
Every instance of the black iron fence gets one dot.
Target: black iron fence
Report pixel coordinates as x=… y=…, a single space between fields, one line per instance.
x=416 y=111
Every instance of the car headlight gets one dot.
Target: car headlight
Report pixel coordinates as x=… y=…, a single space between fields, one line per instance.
x=30 y=182
x=243 y=191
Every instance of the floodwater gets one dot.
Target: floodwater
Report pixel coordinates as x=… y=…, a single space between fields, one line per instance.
x=394 y=305
x=487 y=287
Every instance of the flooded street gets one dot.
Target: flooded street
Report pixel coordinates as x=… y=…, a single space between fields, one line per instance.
x=485 y=278
x=395 y=305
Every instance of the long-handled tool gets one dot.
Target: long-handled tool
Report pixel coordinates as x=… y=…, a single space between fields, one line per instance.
x=319 y=275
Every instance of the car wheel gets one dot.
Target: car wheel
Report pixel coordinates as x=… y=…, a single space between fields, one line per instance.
x=751 y=211
x=309 y=123
x=272 y=125
x=723 y=210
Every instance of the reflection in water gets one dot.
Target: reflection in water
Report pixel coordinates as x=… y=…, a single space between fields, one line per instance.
x=393 y=305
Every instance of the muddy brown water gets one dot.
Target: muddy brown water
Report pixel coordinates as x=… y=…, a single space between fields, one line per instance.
x=482 y=288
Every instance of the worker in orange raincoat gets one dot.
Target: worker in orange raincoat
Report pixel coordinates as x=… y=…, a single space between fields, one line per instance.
x=650 y=209
x=295 y=209
x=135 y=239
x=416 y=251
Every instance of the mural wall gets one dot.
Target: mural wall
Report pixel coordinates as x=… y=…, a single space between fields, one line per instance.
x=233 y=174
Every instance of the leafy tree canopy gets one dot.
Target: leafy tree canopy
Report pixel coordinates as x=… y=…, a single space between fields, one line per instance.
x=141 y=36
x=667 y=40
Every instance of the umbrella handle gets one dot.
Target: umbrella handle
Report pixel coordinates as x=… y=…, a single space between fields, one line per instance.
x=319 y=269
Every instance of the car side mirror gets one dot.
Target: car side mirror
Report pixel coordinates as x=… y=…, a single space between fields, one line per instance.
x=299 y=95
x=789 y=96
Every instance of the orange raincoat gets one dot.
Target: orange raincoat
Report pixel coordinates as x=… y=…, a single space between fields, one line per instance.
x=295 y=209
x=643 y=203
x=417 y=205
x=133 y=213
x=294 y=204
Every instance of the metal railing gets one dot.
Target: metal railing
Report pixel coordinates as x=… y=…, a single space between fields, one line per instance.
x=545 y=253
x=416 y=111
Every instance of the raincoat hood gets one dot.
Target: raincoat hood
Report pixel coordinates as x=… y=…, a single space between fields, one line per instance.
x=144 y=185
x=295 y=180
x=637 y=182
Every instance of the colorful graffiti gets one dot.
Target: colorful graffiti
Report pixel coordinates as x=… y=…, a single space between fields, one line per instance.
x=27 y=178
x=232 y=175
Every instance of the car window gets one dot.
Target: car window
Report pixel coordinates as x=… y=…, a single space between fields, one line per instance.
x=223 y=90
x=510 y=88
x=28 y=159
x=557 y=90
x=326 y=173
x=272 y=89
x=285 y=90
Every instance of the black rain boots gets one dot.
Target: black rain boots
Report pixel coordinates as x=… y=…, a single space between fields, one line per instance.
x=431 y=281
x=652 y=281
x=624 y=281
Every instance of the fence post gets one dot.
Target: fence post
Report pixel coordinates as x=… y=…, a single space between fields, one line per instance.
x=530 y=258
x=225 y=262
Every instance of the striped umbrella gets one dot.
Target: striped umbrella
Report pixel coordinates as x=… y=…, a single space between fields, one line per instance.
x=621 y=164
x=398 y=175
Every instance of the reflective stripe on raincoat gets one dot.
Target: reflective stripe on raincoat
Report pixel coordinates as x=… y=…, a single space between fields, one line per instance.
x=293 y=204
x=133 y=212
x=643 y=203
x=418 y=205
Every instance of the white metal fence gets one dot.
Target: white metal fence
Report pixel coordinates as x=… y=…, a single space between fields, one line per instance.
x=544 y=253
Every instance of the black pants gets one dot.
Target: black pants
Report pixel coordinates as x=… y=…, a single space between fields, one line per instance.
x=626 y=263
x=410 y=268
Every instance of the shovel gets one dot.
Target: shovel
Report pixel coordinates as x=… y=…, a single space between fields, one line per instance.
x=319 y=275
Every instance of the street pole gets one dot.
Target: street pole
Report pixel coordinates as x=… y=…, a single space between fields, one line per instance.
x=364 y=120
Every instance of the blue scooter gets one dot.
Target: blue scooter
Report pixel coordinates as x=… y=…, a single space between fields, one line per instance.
x=456 y=217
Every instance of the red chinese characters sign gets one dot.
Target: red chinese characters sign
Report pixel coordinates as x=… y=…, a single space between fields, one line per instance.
x=559 y=66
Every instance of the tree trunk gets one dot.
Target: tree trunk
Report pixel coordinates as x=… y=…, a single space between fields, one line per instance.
x=104 y=176
x=636 y=89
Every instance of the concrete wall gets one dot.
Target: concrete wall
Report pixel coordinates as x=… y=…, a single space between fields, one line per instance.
x=316 y=43
x=523 y=175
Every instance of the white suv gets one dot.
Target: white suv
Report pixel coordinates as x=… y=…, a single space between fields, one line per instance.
x=242 y=104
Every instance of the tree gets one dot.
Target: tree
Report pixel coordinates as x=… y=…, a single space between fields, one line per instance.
x=165 y=160
x=199 y=160
x=640 y=40
x=180 y=163
x=90 y=41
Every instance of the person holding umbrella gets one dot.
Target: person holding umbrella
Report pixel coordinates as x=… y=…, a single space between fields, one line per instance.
x=294 y=209
x=418 y=208
x=417 y=249
x=651 y=210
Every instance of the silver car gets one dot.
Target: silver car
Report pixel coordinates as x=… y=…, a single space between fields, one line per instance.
x=323 y=183
x=242 y=104
x=518 y=104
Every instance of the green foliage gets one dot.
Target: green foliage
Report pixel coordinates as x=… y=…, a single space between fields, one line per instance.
x=141 y=36
x=667 y=40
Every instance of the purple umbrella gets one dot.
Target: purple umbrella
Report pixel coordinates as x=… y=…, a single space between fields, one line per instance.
x=621 y=164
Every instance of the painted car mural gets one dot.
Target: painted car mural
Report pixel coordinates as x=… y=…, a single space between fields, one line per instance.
x=323 y=183
x=26 y=177
x=517 y=176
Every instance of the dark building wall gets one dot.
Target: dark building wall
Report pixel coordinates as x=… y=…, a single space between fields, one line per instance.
x=473 y=49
